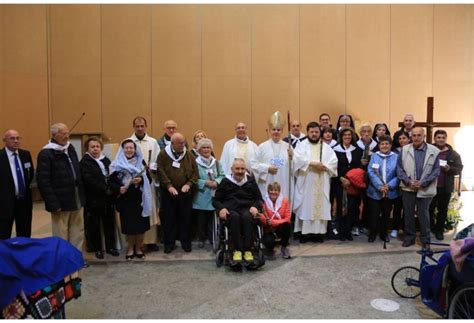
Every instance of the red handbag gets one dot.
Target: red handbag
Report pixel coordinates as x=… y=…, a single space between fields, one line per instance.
x=357 y=177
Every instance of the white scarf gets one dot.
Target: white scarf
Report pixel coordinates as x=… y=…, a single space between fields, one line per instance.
x=296 y=139
x=100 y=163
x=372 y=144
x=55 y=146
x=232 y=179
x=169 y=151
x=206 y=162
x=384 y=164
x=63 y=149
x=340 y=148
x=276 y=207
x=332 y=143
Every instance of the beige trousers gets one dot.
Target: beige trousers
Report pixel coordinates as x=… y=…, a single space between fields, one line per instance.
x=69 y=225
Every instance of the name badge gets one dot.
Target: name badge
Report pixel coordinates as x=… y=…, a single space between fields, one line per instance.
x=27 y=165
x=277 y=162
x=375 y=166
x=443 y=162
x=176 y=164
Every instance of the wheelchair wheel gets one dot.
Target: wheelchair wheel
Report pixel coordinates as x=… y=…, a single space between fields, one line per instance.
x=461 y=305
x=261 y=258
x=219 y=258
x=215 y=234
x=401 y=282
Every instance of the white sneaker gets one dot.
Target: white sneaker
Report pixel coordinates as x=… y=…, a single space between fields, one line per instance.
x=394 y=233
x=355 y=231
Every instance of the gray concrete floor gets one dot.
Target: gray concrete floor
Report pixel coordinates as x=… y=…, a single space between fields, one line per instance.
x=335 y=287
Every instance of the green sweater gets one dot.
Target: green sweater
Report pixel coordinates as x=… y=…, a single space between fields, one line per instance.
x=169 y=176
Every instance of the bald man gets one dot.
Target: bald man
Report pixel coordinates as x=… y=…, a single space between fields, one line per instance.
x=16 y=174
x=418 y=170
x=238 y=147
x=178 y=173
x=170 y=127
x=296 y=134
x=408 y=125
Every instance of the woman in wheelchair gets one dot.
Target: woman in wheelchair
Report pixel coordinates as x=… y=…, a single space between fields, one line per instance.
x=238 y=201
x=276 y=220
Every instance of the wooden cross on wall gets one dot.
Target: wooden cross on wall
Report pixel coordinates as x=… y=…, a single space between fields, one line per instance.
x=430 y=124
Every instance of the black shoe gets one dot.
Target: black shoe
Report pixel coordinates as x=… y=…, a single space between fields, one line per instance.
x=186 y=247
x=303 y=238
x=168 y=249
x=342 y=237
x=152 y=247
x=129 y=257
x=439 y=236
x=319 y=238
x=99 y=254
x=349 y=237
x=140 y=255
x=371 y=239
x=385 y=239
x=113 y=252
x=408 y=243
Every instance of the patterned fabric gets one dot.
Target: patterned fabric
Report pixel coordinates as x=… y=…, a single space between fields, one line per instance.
x=45 y=302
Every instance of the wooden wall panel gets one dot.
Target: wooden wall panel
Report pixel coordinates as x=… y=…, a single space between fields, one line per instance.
x=226 y=101
x=176 y=67
x=124 y=98
x=24 y=74
x=226 y=40
x=411 y=61
x=320 y=95
x=452 y=80
x=76 y=66
x=270 y=94
x=323 y=61
x=275 y=40
x=207 y=66
x=275 y=64
x=177 y=98
x=176 y=40
x=126 y=68
x=368 y=62
x=226 y=70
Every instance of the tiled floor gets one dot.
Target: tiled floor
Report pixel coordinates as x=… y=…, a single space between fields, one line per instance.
x=42 y=228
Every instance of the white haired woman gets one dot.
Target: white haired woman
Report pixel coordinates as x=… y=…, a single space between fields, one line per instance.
x=210 y=175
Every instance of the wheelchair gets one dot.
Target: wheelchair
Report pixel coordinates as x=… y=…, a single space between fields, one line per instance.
x=442 y=289
x=223 y=250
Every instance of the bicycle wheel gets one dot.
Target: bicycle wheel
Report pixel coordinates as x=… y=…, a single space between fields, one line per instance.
x=461 y=305
x=401 y=282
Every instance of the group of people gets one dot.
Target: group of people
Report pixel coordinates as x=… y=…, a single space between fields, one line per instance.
x=331 y=182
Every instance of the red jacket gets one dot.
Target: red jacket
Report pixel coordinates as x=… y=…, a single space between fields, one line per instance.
x=284 y=211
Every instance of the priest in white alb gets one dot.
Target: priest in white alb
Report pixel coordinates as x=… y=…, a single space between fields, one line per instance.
x=272 y=159
x=150 y=150
x=314 y=164
x=238 y=147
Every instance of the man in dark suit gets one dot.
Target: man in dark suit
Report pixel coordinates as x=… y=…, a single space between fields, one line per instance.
x=16 y=173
